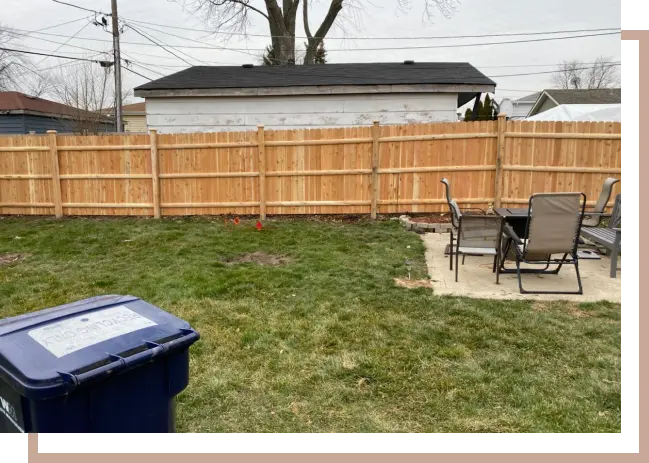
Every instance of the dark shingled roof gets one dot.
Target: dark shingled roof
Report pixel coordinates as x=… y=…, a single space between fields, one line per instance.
x=582 y=96
x=16 y=101
x=214 y=77
x=529 y=98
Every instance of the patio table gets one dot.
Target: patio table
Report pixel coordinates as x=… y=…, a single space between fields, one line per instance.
x=516 y=217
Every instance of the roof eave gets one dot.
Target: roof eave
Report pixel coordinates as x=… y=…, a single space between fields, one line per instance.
x=29 y=112
x=542 y=97
x=317 y=90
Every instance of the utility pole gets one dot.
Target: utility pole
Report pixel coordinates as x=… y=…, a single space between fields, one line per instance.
x=118 y=68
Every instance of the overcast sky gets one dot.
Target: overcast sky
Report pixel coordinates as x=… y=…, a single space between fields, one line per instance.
x=380 y=18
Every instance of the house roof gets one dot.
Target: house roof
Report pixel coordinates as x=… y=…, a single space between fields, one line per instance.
x=529 y=98
x=357 y=74
x=577 y=96
x=16 y=102
x=134 y=108
x=584 y=96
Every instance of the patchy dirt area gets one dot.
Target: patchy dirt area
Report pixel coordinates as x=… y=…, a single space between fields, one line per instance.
x=431 y=219
x=570 y=307
x=11 y=258
x=258 y=257
x=410 y=284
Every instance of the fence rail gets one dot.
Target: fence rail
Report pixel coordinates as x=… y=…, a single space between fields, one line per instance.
x=357 y=170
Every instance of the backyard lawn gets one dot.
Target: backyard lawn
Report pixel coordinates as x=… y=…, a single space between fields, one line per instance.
x=320 y=339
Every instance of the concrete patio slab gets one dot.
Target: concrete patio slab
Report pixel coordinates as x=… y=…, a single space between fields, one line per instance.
x=476 y=280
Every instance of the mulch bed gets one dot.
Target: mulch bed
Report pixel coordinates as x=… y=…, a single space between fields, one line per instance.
x=431 y=219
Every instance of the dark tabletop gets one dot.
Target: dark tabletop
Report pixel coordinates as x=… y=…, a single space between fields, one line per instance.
x=511 y=212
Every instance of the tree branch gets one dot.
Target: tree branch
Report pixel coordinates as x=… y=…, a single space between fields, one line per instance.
x=334 y=9
x=243 y=3
x=305 y=18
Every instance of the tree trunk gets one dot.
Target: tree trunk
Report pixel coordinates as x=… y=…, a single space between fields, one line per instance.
x=282 y=28
x=314 y=40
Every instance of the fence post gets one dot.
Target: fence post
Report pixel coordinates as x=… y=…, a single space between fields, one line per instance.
x=56 y=176
x=261 y=152
x=155 y=172
x=375 y=168
x=500 y=153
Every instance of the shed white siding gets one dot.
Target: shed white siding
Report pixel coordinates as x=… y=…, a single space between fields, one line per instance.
x=214 y=114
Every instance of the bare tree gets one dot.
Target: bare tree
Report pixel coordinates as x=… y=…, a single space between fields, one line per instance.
x=577 y=74
x=234 y=16
x=88 y=90
x=12 y=64
x=603 y=74
x=36 y=84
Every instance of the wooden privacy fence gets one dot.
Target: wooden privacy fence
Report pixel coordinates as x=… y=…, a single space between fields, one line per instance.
x=352 y=170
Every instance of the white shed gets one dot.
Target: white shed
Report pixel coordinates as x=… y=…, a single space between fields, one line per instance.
x=235 y=98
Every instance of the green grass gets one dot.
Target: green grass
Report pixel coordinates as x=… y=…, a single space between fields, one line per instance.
x=327 y=342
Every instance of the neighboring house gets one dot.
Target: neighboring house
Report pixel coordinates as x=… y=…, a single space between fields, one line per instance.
x=20 y=113
x=523 y=105
x=551 y=98
x=133 y=117
x=232 y=98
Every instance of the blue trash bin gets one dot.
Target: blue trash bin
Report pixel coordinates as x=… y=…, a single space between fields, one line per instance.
x=105 y=364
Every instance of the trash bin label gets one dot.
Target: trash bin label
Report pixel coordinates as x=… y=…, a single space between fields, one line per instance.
x=77 y=333
x=11 y=417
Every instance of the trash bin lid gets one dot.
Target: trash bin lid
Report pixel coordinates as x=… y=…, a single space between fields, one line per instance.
x=48 y=353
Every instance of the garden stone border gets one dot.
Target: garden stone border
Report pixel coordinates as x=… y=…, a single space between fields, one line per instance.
x=424 y=227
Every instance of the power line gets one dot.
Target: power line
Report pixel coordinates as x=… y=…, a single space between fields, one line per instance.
x=80 y=7
x=270 y=70
x=61 y=43
x=61 y=24
x=66 y=42
x=89 y=49
x=362 y=38
x=478 y=66
x=195 y=41
x=165 y=44
x=552 y=72
x=63 y=64
x=532 y=65
x=417 y=47
x=130 y=61
x=479 y=44
x=138 y=74
x=50 y=55
x=159 y=45
x=388 y=38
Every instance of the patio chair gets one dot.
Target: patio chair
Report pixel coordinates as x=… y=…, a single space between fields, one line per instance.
x=592 y=218
x=611 y=236
x=455 y=212
x=553 y=227
x=479 y=234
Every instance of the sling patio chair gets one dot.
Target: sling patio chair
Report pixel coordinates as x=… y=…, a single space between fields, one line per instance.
x=553 y=227
x=479 y=235
x=455 y=212
x=594 y=216
x=610 y=237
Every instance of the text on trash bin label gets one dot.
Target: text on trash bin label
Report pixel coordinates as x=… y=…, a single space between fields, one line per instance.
x=9 y=412
x=67 y=336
